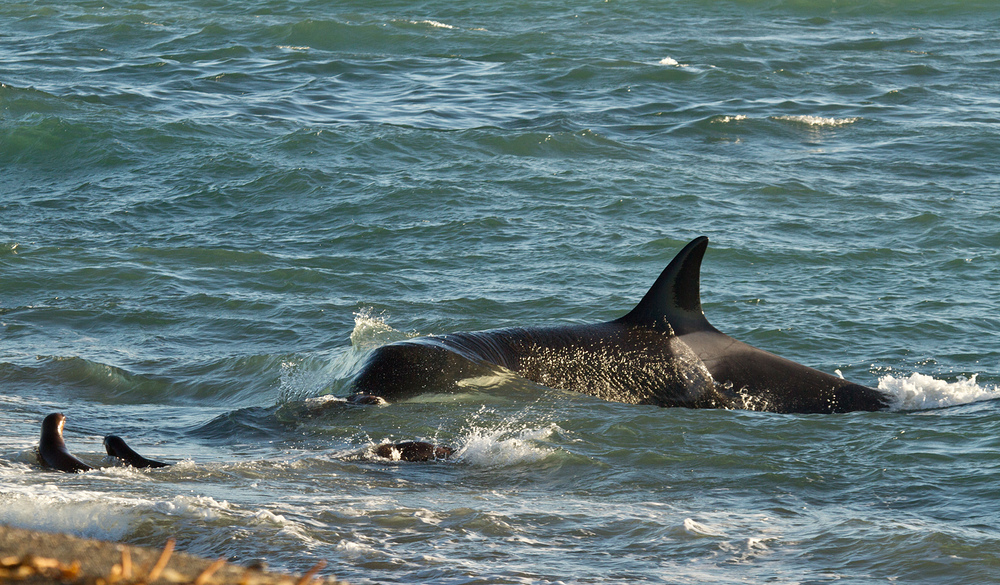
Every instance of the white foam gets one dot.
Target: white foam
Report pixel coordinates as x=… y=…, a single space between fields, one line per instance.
x=433 y=23
x=367 y=324
x=46 y=507
x=201 y=507
x=817 y=120
x=503 y=447
x=353 y=548
x=728 y=119
x=670 y=62
x=324 y=400
x=698 y=529
x=371 y=330
x=268 y=517
x=920 y=392
x=52 y=507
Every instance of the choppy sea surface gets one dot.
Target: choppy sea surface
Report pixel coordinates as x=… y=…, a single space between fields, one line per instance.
x=211 y=210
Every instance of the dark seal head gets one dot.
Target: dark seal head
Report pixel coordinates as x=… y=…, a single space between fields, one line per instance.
x=413 y=451
x=52 y=449
x=116 y=447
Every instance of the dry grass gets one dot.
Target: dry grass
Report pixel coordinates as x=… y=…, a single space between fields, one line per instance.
x=30 y=557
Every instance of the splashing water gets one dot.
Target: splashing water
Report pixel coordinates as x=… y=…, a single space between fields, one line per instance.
x=922 y=392
x=371 y=330
x=504 y=442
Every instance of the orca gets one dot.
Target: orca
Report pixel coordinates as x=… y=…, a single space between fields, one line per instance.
x=663 y=352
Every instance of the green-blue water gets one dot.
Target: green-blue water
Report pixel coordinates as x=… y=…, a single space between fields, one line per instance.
x=210 y=210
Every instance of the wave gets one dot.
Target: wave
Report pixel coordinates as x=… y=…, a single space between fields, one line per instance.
x=82 y=377
x=140 y=520
x=372 y=330
x=225 y=380
x=817 y=120
x=430 y=23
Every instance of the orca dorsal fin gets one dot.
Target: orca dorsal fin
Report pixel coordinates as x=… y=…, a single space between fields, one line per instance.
x=675 y=297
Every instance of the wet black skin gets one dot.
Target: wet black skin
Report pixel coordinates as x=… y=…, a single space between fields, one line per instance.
x=413 y=451
x=663 y=352
x=52 y=449
x=116 y=447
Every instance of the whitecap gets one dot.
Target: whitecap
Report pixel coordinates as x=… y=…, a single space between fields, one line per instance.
x=817 y=120
x=670 y=62
x=433 y=23
x=728 y=119
x=268 y=517
x=358 y=549
x=96 y=514
x=696 y=528
x=201 y=507
x=371 y=330
x=48 y=508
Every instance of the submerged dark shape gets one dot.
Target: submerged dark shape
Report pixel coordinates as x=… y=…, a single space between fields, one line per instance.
x=116 y=447
x=52 y=449
x=663 y=352
x=413 y=451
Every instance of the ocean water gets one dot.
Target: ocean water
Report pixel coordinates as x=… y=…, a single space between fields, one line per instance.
x=211 y=210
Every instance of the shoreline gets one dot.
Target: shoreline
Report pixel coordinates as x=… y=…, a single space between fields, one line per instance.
x=36 y=557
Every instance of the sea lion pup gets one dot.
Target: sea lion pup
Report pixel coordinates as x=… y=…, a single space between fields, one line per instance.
x=413 y=451
x=52 y=449
x=116 y=447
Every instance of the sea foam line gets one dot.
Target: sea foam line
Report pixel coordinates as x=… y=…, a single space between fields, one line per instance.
x=432 y=23
x=817 y=120
x=95 y=514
